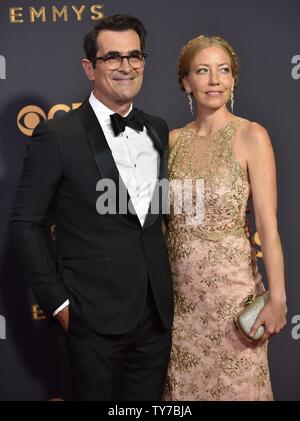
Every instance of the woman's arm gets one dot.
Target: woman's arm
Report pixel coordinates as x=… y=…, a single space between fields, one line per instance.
x=262 y=173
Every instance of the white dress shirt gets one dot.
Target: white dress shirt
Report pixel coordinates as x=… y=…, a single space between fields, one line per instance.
x=136 y=158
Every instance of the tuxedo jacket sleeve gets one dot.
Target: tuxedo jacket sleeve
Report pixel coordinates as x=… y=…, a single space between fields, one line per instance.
x=40 y=178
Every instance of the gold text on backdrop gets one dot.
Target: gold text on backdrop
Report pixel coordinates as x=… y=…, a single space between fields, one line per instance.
x=54 y=14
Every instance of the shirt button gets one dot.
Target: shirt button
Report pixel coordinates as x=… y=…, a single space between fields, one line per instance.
x=134 y=165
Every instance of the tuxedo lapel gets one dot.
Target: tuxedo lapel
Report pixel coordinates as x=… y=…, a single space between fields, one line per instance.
x=103 y=157
x=163 y=173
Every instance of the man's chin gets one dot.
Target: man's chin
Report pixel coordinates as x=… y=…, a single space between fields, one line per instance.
x=126 y=96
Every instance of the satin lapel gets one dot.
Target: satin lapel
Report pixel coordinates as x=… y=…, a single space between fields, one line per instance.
x=102 y=154
x=163 y=174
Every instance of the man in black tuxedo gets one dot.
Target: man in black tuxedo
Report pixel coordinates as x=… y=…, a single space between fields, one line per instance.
x=110 y=287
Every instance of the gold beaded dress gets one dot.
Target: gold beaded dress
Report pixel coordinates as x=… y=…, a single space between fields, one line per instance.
x=214 y=269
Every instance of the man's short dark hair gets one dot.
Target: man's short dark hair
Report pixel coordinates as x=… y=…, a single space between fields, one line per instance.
x=116 y=23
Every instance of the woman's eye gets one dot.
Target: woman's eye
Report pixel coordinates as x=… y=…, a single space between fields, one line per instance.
x=201 y=70
x=225 y=70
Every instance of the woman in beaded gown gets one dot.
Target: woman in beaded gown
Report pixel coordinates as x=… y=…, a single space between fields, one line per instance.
x=212 y=260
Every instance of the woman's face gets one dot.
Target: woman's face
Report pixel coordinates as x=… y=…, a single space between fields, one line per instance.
x=210 y=78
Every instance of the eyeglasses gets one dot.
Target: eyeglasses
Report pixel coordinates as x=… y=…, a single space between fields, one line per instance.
x=114 y=60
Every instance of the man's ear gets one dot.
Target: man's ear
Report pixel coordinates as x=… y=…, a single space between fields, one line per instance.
x=88 y=68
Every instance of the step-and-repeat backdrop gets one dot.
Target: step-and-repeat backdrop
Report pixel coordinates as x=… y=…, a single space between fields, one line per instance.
x=41 y=76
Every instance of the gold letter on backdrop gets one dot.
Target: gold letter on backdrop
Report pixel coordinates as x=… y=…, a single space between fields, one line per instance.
x=79 y=12
x=13 y=14
x=37 y=14
x=63 y=12
x=37 y=312
x=96 y=10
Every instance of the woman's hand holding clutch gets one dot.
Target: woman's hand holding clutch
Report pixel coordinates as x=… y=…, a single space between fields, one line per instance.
x=272 y=317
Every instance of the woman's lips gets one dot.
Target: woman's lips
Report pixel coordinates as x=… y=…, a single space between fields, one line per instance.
x=214 y=93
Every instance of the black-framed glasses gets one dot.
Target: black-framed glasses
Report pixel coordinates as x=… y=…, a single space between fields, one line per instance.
x=114 y=60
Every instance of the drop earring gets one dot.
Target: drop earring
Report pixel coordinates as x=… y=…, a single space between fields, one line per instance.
x=190 y=102
x=232 y=100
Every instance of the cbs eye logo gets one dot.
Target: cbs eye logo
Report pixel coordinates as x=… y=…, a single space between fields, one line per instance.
x=31 y=115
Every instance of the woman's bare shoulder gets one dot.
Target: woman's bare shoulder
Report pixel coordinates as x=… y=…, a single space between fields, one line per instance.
x=253 y=135
x=173 y=137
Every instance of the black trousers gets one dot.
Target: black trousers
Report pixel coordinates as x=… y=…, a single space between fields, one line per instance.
x=127 y=367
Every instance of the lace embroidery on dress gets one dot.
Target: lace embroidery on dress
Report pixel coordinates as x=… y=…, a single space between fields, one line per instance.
x=214 y=269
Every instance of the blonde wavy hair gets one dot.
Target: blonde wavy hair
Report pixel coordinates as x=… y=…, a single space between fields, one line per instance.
x=189 y=51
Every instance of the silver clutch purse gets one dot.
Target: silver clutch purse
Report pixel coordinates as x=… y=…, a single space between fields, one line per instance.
x=253 y=304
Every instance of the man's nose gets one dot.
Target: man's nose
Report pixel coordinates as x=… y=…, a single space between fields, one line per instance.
x=125 y=65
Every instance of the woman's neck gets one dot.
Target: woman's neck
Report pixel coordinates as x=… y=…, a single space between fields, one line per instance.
x=208 y=122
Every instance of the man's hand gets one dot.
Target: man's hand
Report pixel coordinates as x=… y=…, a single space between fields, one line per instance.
x=63 y=318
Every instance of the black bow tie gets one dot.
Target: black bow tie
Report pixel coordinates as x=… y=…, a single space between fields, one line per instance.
x=135 y=120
